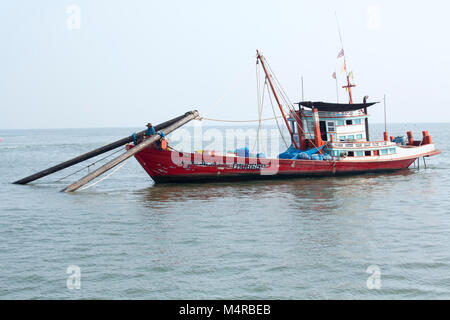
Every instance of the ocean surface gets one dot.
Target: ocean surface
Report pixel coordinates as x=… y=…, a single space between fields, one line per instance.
x=373 y=236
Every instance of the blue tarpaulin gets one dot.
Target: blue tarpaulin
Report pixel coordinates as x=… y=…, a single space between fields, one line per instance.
x=243 y=152
x=293 y=153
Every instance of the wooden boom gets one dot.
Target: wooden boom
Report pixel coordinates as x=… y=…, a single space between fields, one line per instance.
x=269 y=78
x=93 y=153
x=111 y=164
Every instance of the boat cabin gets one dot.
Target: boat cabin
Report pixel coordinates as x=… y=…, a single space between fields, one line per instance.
x=343 y=128
x=334 y=126
x=336 y=130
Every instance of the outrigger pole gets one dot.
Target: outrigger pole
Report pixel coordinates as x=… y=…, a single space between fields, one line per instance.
x=111 y=164
x=260 y=57
x=93 y=153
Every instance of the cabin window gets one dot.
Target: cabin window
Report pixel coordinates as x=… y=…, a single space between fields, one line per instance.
x=293 y=127
x=340 y=123
x=348 y=122
x=392 y=150
x=310 y=126
x=359 y=154
x=335 y=153
x=359 y=136
x=367 y=153
x=351 y=154
x=342 y=138
x=351 y=137
x=331 y=127
x=384 y=151
x=357 y=121
x=376 y=152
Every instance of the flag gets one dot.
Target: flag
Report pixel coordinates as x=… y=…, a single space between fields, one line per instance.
x=341 y=54
x=334 y=75
x=344 y=68
x=350 y=75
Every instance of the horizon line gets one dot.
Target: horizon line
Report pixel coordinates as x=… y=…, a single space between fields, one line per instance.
x=217 y=125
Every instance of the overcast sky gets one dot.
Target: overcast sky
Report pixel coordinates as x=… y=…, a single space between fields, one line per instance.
x=124 y=63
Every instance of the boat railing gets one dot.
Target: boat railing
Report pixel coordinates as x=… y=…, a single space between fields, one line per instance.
x=356 y=113
x=360 y=144
x=344 y=114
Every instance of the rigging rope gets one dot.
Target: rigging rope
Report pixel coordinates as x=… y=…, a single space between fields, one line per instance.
x=220 y=120
x=286 y=100
x=260 y=100
x=287 y=104
x=105 y=177
x=273 y=109
x=89 y=165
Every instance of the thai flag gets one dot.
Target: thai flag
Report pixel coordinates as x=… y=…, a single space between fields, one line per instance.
x=341 y=54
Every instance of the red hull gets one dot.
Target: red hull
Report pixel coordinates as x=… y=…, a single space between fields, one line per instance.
x=168 y=166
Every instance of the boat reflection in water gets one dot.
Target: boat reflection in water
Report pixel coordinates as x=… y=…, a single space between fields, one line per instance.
x=322 y=193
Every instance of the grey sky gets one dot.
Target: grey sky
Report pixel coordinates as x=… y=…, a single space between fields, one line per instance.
x=137 y=61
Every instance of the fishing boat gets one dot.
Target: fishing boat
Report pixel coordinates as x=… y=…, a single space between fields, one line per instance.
x=327 y=139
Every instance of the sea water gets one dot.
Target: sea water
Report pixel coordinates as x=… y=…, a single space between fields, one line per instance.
x=380 y=236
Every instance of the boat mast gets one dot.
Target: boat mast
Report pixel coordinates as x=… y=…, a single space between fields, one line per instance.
x=349 y=85
x=260 y=57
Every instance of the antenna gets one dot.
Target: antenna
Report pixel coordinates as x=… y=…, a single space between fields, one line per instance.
x=340 y=39
x=385 y=126
x=337 y=87
x=349 y=86
x=303 y=97
x=339 y=29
